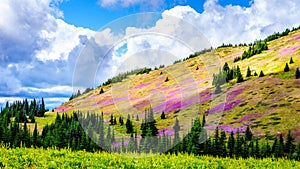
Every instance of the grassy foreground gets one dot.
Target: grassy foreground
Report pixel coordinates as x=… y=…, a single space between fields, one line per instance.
x=51 y=158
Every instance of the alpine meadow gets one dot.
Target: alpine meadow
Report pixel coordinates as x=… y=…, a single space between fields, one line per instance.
x=223 y=106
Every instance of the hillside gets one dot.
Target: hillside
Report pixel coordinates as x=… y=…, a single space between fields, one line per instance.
x=269 y=104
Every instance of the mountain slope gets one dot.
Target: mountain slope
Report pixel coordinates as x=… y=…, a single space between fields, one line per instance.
x=269 y=104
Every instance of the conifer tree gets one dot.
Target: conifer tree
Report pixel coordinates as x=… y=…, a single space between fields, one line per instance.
x=257 y=149
x=163 y=116
x=231 y=144
x=222 y=144
x=193 y=141
x=248 y=134
x=176 y=128
x=167 y=79
x=297 y=74
x=289 y=147
x=129 y=127
x=248 y=72
x=261 y=74
x=226 y=67
x=101 y=91
x=255 y=74
x=35 y=136
x=121 y=121
x=203 y=120
x=111 y=119
x=291 y=60
x=286 y=68
x=239 y=75
x=218 y=89
x=137 y=118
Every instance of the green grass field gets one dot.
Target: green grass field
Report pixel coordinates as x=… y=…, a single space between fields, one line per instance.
x=51 y=158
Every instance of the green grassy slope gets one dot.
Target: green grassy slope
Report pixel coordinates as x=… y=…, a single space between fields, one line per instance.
x=269 y=105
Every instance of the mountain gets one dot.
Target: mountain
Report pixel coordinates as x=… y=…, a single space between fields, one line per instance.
x=268 y=104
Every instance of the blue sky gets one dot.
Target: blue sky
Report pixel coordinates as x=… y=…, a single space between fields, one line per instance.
x=92 y=15
x=45 y=45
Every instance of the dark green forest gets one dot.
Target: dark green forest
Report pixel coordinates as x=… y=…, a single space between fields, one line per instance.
x=87 y=131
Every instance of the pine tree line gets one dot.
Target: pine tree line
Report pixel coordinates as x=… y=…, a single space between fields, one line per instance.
x=23 y=111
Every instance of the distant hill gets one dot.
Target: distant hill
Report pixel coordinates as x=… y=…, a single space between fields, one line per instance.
x=268 y=104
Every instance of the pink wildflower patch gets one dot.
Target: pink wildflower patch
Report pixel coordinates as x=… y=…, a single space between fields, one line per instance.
x=230 y=129
x=248 y=117
x=286 y=51
x=166 y=131
x=142 y=85
x=223 y=107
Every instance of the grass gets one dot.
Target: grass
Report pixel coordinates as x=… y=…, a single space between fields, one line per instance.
x=275 y=93
x=65 y=158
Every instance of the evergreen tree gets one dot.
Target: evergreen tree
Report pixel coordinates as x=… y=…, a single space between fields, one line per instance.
x=261 y=74
x=248 y=72
x=255 y=74
x=121 y=121
x=218 y=89
x=230 y=144
x=35 y=136
x=257 y=149
x=176 y=128
x=137 y=118
x=298 y=151
x=129 y=127
x=291 y=60
x=239 y=75
x=222 y=144
x=226 y=67
x=203 y=120
x=163 y=116
x=286 y=68
x=248 y=134
x=167 y=79
x=289 y=147
x=193 y=141
x=101 y=91
x=111 y=119
x=297 y=74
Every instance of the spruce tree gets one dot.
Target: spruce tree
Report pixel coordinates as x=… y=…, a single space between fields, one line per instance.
x=248 y=134
x=230 y=144
x=261 y=74
x=257 y=149
x=167 y=79
x=218 y=89
x=121 y=121
x=291 y=60
x=289 y=147
x=226 y=67
x=239 y=75
x=129 y=127
x=248 y=72
x=111 y=119
x=255 y=74
x=176 y=128
x=222 y=146
x=101 y=91
x=297 y=74
x=286 y=68
x=163 y=116
x=35 y=136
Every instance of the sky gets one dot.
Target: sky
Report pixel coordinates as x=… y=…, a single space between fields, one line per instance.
x=51 y=48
